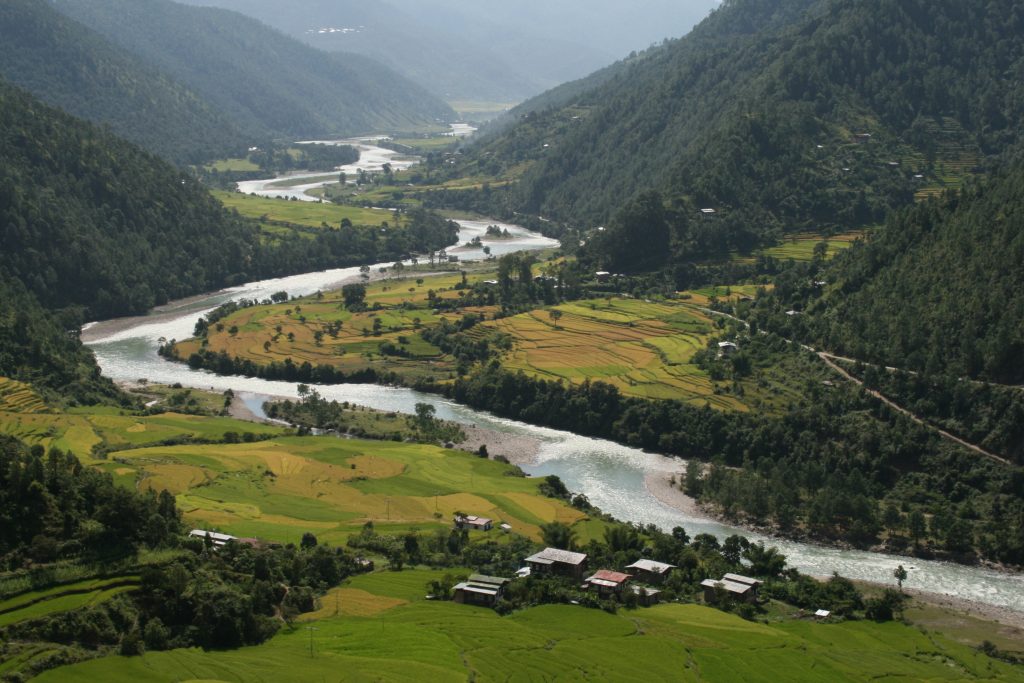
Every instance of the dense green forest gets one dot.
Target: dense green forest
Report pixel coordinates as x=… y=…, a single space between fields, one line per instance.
x=940 y=289
x=263 y=80
x=69 y=66
x=756 y=113
x=90 y=221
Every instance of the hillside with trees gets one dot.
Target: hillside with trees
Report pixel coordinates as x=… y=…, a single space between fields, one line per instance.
x=940 y=290
x=782 y=115
x=69 y=66
x=263 y=80
x=92 y=222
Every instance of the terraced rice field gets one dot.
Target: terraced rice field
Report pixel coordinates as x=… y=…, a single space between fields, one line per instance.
x=65 y=598
x=800 y=247
x=17 y=397
x=79 y=429
x=644 y=349
x=282 y=488
x=389 y=632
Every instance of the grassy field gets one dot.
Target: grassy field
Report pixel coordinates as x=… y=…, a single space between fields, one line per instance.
x=65 y=598
x=280 y=489
x=307 y=214
x=386 y=631
x=18 y=397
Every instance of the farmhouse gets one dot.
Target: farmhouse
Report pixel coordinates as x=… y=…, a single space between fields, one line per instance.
x=603 y=276
x=473 y=522
x=480 y=590
x=740 y=587
x=708 y=214
x=727 y=348
x=555 y=561
x=651 y=571
x=606 y=582
x=218 y=540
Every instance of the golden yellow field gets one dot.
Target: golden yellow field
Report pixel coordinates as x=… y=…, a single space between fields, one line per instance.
x=18 y=397
x=643 y=348
x=282 y=488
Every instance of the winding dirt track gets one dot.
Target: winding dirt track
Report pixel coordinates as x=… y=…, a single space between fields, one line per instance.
x=830 y=360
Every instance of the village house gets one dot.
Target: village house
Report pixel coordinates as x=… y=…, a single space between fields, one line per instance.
x=727 y=348
x=217 y=540
x=558 y=562
x=861 y=138
x=603 y=276
x=473 y=522
x=739 y=587
x=606 y=582
x=650 y=571
x=481 y=590
x=708 y=214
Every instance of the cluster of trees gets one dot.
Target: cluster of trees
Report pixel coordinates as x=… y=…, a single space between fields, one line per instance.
x=54 y=508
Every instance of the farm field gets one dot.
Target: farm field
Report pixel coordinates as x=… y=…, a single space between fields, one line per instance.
x=64 y=598
x=279 y=489
x=800 y=247
x=644 y=348
x=306 y=214
x=391 y=633
x=80 y=429
x=18 y=397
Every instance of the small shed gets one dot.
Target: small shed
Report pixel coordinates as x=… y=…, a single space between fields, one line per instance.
x=650 y=571
x=822 y=614
x=727 y=348
x=606 y=582
x=473 y=522
x=481 y=590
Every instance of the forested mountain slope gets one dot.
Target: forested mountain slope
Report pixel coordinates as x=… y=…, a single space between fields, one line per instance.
x=70 y=66
x=259 y=77
x=90 y=221
x=755 y=114
x=939 y=290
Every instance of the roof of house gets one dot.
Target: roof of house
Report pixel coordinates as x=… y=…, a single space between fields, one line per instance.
x=474 y=588
x=214 y=536
x=646 y=590
x=473 y=519
x=706 y=211
x=727 y=345
x=606 y=576
x=822 y=613
x=552 y=555
x=489 y=580
x=651 y=566
x=731 y=586
x=739 y=578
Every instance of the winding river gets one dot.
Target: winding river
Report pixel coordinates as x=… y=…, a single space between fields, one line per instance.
x=611 y=475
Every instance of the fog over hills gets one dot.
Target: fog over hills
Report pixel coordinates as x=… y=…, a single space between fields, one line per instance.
x=489 y=50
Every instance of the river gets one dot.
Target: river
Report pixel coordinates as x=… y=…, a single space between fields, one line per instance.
x=611 y=475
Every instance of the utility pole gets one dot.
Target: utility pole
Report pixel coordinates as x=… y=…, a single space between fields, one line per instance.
x=311 y=629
